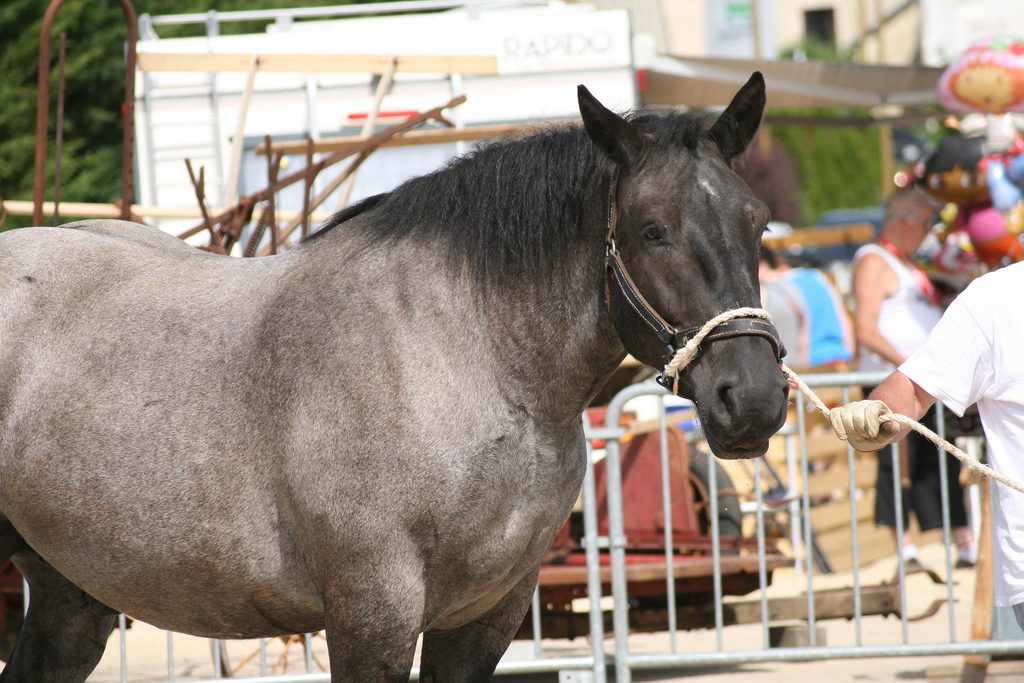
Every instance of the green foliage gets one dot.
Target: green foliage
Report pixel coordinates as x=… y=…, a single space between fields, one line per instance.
x=817 y=49
x=837 y=167
x=94 y=92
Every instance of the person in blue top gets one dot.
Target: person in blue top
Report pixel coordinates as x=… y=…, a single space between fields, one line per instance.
x=830 y=333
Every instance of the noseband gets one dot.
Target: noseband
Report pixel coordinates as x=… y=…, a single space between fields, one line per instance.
x=672 y=338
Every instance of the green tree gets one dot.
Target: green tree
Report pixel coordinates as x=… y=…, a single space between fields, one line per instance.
x=837 y=167
x=94 y=91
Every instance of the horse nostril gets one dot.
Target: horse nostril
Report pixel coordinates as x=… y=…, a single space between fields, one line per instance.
x=725 y=397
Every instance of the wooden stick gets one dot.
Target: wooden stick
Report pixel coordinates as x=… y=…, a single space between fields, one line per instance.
x=981 y=611
x=383 y=87
x=238 y=144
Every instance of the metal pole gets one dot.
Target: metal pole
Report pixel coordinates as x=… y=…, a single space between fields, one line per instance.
x=940 y=429
x=43 y=110
x=851 y=461
x=666 y=503
x=590 y=529
x=616 y=527
x=808 y=545
x=59 y=133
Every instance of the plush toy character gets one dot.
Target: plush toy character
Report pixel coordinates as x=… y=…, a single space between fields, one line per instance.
x=987 y=77
x=952 y=174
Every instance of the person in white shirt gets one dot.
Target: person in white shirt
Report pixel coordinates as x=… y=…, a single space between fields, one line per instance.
x=896 y=307
x=971 y=356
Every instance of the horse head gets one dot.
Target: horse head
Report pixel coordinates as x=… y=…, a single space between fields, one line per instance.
x=687 y=229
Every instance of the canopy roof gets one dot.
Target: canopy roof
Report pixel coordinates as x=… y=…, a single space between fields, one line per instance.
x=702 y=82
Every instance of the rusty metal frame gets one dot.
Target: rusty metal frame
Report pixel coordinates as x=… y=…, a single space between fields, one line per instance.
x=43 y=110
x=226 y=227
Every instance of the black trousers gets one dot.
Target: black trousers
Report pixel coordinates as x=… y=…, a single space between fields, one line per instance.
x=924 y=497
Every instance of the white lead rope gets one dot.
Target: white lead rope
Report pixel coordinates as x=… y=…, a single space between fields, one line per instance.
x=685 y=356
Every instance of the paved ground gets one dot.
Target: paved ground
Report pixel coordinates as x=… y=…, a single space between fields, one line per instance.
x=148 y=661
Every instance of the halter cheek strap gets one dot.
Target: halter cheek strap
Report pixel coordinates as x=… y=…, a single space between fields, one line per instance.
x=617 y=270
x=673 y=339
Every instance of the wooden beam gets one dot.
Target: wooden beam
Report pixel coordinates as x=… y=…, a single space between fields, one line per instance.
x=415 y=137
x=682 y=568
x=89 y=210
x=854 y=233
x=984 y=588
x=212 y=62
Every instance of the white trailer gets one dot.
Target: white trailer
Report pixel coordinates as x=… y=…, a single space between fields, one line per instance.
x=317 y=78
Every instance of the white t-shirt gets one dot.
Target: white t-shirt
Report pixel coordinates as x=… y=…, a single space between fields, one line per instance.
x=972 y=356
x=905 y=318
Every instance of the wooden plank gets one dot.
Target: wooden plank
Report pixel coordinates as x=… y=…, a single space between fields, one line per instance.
x=414 y=137
x=212 y=62
x=981 y=610
x=837 y=604
x=836 y=515
x=568 y=575
x=875 y=600
x=875 y=544
x=853 y=233
x=89 y=210
x=824 y=446
x=837 y=476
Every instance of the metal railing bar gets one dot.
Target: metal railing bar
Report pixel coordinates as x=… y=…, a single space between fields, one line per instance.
x=810 y=654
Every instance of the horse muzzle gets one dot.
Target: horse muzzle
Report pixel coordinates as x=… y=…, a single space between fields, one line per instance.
x=742 y=397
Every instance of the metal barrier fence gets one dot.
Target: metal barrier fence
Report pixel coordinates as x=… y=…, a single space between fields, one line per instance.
x=591 y=667
x=626 y=662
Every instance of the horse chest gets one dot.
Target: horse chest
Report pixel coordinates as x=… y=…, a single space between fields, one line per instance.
x=503 y=528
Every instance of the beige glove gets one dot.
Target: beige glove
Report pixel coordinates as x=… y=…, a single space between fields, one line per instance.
x=860 y=423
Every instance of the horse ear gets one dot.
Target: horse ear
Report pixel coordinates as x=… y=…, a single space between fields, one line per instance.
x=610 y=132
x=735 y=128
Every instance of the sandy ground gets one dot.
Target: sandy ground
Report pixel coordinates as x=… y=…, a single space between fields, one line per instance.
x=192 y=657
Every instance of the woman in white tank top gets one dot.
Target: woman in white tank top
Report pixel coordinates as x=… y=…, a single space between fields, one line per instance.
x=906 y=317
x=896 y=310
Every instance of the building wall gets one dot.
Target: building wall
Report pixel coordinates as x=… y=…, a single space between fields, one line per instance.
x=681 y=26
x=685 y=26
x=950 y=26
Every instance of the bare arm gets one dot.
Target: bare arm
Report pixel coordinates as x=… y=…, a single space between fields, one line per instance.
x=903 y=396
x=873 y=282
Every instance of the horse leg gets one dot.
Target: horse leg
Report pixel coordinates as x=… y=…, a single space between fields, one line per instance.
x=10 y=540
x=65 y=630
x=371 y=636
x=470 y=653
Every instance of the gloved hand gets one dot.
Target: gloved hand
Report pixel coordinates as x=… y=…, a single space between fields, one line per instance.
x=860 y=423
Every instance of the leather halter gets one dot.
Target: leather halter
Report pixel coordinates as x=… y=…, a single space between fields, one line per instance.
x=672 y=338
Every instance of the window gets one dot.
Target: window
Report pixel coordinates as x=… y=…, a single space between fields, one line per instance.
x=820 y=25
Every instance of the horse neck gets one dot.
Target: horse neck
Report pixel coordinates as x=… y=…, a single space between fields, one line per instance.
x=558 y=335
x=543 y=335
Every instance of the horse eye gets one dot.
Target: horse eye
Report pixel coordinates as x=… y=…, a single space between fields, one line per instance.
x=651 y=233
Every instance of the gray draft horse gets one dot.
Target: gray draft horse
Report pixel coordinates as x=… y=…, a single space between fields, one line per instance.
x=378 y=433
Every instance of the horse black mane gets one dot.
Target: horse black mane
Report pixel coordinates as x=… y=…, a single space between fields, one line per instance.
x=508 y=208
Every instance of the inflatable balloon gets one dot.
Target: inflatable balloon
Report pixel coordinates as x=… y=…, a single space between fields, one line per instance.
x=992 y=242
x=958 y=173
x=987 y=77
x=951 y=172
